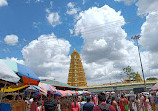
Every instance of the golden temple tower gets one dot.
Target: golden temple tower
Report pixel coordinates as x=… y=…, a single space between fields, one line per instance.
x=76 y=72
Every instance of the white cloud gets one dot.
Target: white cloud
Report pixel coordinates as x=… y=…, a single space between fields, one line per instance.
x=11 y=39
x=39 y=0
x=48 y=57
x=70 y=5
x=72 y=10
x=36 y=24
x=147 y=6
x=16 y=60
x=3 y=3
x=127 y=2
x=53 y=18
x=71 y=31
x=149 y=39
x=83 y=2
x=106 y=49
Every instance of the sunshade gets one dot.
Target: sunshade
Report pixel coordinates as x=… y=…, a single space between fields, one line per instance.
x=62 y=92
x=76 y=93
x=28 y=77
x=86 y=92
x=71 y=92
x=80 y=92
x=155 y=87
x=37 y=94
x=47 y=88
x=68 y=94
x=7 y=74
x=112 y=92
x=33 y=88
x=13 y=88
x=58 y=94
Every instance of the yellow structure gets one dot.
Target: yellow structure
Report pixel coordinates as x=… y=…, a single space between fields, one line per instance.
x=76 y=72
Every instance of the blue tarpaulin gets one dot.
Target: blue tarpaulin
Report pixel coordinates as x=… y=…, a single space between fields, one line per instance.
x=5 y=107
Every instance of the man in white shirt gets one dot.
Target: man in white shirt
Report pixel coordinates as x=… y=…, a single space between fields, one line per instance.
x=141 y=102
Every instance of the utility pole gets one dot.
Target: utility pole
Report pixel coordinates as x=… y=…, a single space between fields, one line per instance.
x=136 y=37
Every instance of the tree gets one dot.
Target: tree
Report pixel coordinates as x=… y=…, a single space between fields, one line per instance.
x=127 y=70
x=152 y=78
x=138 y=77
x=131 y=74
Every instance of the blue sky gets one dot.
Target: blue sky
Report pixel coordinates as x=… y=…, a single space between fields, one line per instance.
x=20 y=15
x=95 y=28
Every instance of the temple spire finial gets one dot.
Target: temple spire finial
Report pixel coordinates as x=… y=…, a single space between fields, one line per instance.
x=74 y=50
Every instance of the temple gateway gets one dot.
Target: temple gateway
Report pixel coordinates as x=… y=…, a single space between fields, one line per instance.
x=76 y=75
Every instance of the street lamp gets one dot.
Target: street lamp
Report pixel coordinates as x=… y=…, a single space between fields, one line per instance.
x=136 y=37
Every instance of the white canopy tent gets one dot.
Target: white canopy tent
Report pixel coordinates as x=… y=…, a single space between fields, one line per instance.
x=7 y=74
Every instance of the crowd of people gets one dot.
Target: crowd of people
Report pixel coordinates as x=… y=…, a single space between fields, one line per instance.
x=98 y=102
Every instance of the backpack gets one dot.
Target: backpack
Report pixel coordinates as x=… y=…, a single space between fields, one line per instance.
x=106 y=108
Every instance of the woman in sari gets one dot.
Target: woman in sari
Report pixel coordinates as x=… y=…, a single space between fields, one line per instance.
x=121 y=103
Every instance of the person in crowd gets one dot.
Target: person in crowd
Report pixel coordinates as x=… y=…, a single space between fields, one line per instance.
x=126 y=104
x=74 y=105
x=88 y=106
x=50 y=103
x=152 y=100
x=146 y=104
x=40 y=106
x=114 y=103
x=18 y=97
x=82 y=103
x=65 y=104
x=33 y=104
x=95 y=100
x=156 y=102
x=130 y=102
x=121 y=103
x=141 y=102
x=137 y=103
x=102 y=105
x=109 y=100
x=117 y=98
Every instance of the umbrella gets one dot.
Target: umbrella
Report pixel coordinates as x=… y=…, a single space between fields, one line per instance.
x=80 y=92
x=58 y=94
x=112 y=92
x=62 y=92
x=71 y=92
x=76 y=92
x=155 y=87
x=68 y=94
x=7 y=74
x=47 y=88
x=107 y=92
x=33 y=88
x=37 y=94
x=13 y=88
x=86 y=92
x=27 y=76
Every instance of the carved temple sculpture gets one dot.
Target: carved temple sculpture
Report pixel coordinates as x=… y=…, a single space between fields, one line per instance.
x=76 y=75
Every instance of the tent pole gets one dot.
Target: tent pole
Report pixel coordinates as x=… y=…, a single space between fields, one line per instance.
x=3 y=92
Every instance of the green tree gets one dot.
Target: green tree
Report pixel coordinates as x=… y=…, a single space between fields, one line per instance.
x=129 y=72
x=152 y=78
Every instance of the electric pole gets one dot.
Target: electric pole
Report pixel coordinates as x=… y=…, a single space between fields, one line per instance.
x=136 y=37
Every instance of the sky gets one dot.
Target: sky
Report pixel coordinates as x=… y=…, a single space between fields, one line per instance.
x=42 y=34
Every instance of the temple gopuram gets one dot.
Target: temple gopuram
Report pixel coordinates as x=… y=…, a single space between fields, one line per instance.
x=76 y=75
